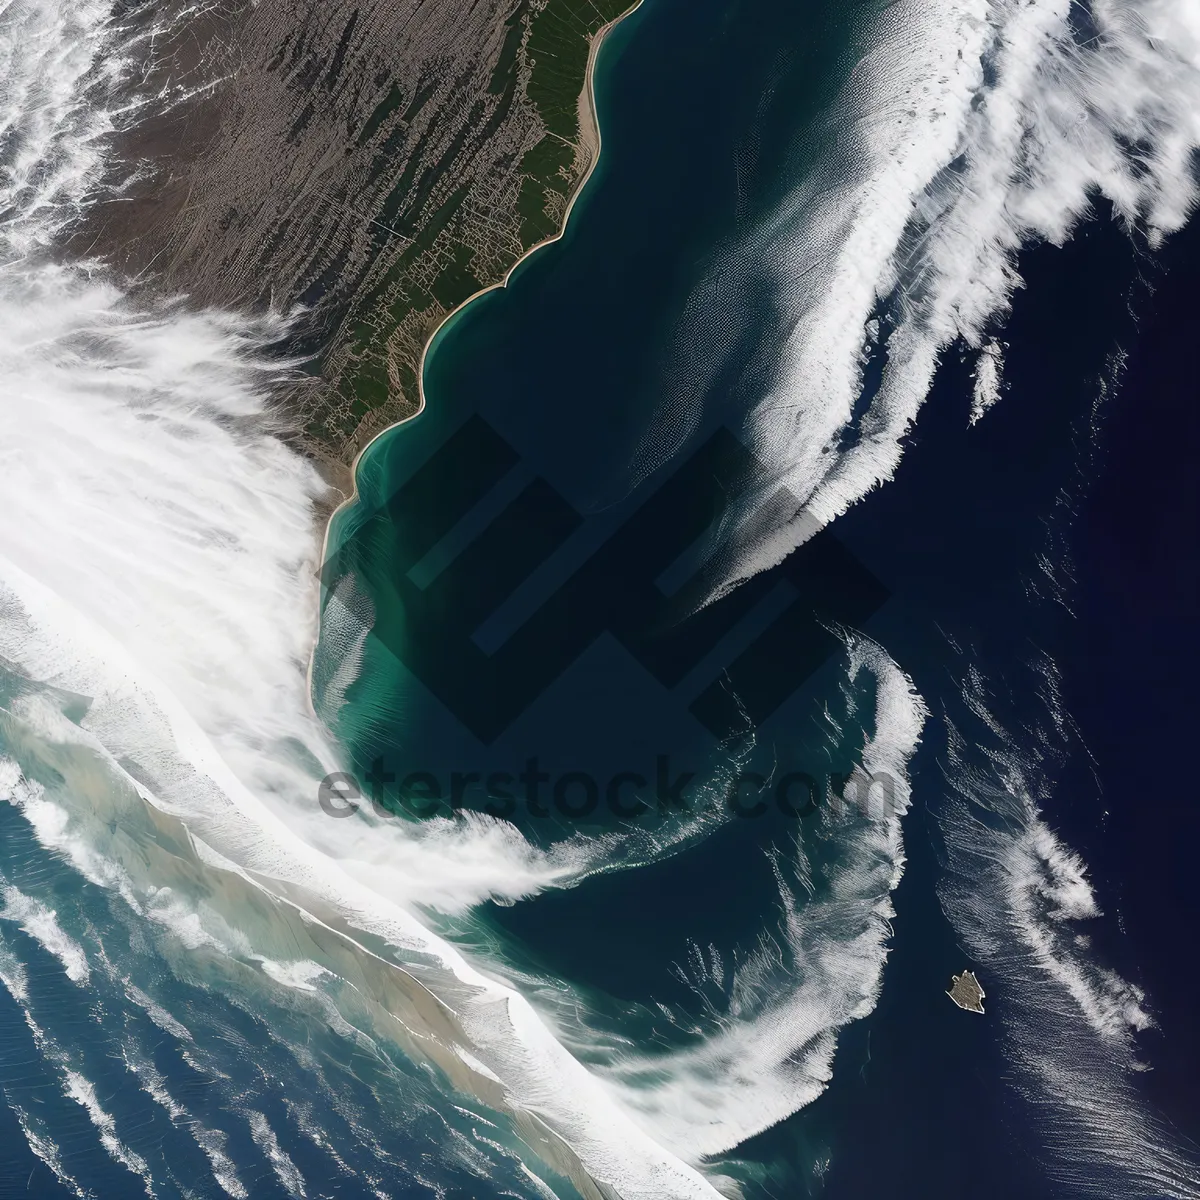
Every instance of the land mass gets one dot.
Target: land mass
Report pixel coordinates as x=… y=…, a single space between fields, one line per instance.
x=966 y=992
x=377 y=163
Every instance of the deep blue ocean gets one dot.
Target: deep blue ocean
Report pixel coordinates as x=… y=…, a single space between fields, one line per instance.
x=757 y=972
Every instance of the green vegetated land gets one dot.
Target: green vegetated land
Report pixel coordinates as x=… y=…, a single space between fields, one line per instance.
x=455 y=223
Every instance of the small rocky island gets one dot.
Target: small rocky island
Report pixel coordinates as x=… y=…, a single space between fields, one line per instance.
x=966 y=992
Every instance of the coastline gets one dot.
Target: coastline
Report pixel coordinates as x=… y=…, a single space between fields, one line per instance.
x=589 y=135
x=554 y=1148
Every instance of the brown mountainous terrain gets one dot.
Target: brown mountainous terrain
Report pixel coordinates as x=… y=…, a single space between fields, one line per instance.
x=377 y=161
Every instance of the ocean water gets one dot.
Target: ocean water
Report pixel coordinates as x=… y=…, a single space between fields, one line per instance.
x=816 y=513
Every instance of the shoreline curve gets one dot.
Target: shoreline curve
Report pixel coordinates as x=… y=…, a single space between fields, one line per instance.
x=589 y=92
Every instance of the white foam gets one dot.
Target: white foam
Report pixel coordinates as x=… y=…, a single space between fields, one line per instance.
x=298 y=974
x=213 y=1143
x=13 y=975
x=773 y=1051
x=542 y=1188
x=154 y=1084
x=285 y=1170
x=969 y=129
x=310 y=1126
x=156 y=1013
x=503 y=1029
x=52 y=823
x=73 y=1083
x=45 y=1148
x=82 y=1091
x=989 y=367
x=1019 y=899
x=1048 y=888
x=41 y=923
